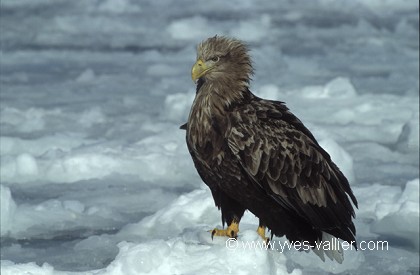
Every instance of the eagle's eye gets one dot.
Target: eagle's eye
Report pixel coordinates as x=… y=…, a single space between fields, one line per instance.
x=215 y=58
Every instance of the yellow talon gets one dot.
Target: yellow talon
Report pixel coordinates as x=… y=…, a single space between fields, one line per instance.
x=231 y=231
x=261 y=232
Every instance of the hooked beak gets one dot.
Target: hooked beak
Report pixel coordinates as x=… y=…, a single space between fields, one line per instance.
x=199 y=69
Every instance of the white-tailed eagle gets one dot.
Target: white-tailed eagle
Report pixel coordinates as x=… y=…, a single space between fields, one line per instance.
x=255 y=155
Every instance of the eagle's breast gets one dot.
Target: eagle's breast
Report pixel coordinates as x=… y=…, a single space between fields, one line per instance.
x=206 y=130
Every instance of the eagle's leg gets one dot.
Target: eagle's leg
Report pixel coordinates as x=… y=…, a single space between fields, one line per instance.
x=261 y=231
x=232 y=212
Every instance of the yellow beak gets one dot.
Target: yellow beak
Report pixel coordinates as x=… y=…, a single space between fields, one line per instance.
x=198 y=70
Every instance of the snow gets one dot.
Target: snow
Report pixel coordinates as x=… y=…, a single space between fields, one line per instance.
x=95 y=174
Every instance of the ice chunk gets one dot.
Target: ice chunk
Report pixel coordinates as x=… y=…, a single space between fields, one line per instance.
x=7 y=168
x=161 y=70
x=381 y=5
x=408 y=140
x=193 y=28
x=9 y=268
x=25 y=120
x=269 y=91
x=186 y=256
x=138 y=259
x=74 y=206
x=8 y=208
x=92 y=116
x=182 y=244
x=344 y=116
x=118 y=6
x=26 y=165
x=86 y=76
x=177 y=106
x=81 y=166
x=252 y=30
x=400 y=224
x=7 y=145
x=340 y=87
x=189 y=209
x=411 y=194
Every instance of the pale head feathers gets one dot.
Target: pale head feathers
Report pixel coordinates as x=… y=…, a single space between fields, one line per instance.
x=231 y=69
x=228 y=57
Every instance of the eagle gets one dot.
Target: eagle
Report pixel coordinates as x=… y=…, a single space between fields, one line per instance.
x=255 y=155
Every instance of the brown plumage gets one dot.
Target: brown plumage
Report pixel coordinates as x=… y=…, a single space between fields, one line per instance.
x=255 y=154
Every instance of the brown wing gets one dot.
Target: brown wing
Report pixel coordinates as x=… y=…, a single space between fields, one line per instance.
x=278 y=153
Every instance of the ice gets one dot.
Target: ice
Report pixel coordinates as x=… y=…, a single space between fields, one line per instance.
x=8 y=208
x=26 y=121
x=176 y=106
x=189 y=248
x=386 y=4
x=411 y=141
x=118 y=6
x=253 y=30
x=26 y=165
x=92 y=117
x=161 y=70
x=399 y=219
x=86 y=76
x=340 y=88
x=95 y=171
x=74 y=206
x=178 y=256
x=196 y=206
x=352 y=262
x=269 y=91
x=81 y=167
x=29 y=268
x=36 y=221
x=337 y=88
x=192 y=28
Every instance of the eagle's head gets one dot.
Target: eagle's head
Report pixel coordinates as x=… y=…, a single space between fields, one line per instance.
x=223 y=59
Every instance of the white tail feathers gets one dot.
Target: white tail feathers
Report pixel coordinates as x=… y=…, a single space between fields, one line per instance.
x=330 y=246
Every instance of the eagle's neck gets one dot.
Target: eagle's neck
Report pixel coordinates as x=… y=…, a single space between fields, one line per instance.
x=208 y=115
x=223 y=92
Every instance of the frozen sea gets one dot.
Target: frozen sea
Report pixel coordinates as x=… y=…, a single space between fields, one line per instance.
x=95 y=174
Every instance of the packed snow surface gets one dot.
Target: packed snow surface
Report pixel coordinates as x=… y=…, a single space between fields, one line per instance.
x=95 y=174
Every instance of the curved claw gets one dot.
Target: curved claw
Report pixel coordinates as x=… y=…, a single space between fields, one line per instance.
x=231 y=231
